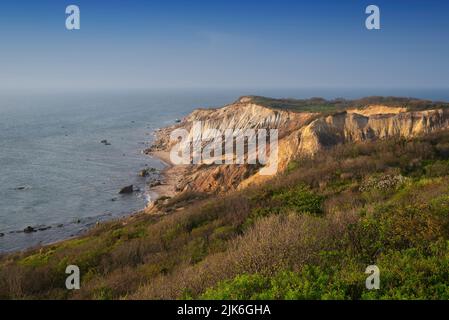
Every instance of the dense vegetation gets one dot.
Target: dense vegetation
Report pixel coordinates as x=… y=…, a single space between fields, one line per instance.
x=329 y=106
x=308 y=234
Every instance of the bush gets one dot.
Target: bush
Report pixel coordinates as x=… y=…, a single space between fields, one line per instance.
x=411 y=274
x=309 y=284
x=383 y=183
x=437 y=169
x=300 y=199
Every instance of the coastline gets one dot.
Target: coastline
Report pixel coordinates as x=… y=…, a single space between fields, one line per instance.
x=171 y=176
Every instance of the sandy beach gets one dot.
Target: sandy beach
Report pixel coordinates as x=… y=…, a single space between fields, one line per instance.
x=171 y=176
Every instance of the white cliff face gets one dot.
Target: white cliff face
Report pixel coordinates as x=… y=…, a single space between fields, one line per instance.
x=247 y=116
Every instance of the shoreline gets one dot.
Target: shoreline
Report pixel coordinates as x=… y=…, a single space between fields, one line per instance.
x=171 y=176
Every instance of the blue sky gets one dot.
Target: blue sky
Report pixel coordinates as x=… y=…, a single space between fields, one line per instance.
x=223 y=44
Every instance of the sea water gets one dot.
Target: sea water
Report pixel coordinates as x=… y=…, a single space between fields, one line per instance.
x=56 y=175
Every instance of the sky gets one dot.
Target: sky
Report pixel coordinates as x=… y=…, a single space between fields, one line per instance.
x=223 y=44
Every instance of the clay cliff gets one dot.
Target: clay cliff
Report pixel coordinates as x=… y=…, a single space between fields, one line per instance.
x=302 y=132
x=366 y=124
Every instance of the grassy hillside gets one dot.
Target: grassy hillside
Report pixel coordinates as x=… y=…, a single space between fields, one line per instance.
x=308 y=234
x=329 y=106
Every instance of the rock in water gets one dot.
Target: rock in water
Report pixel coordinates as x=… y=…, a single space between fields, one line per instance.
x=105 y=142
x=144 y=173
x=127 y=190
x=21 y=188
x=155 y=183
x=29 y=230
x=2 y=234
x=147 y=171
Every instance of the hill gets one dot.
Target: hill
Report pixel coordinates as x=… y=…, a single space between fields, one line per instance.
x=307 y=233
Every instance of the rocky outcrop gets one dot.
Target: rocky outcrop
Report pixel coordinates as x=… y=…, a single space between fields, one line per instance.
x=127 y=190
x=300 y=134
x=29 y=230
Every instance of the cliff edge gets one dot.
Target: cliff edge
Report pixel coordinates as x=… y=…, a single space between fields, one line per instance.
x=304 y=128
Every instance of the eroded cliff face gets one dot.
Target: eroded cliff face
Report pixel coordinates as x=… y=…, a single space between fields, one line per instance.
x=244 y=114
x=301 y=134
x=353 y=126
x=241 y=115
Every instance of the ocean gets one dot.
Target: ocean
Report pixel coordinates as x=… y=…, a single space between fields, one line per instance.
x=57 y=176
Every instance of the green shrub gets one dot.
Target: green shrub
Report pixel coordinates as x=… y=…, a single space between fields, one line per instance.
x=300 y=198
x=437 y=169
x=409 y=274
x=310 y=283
